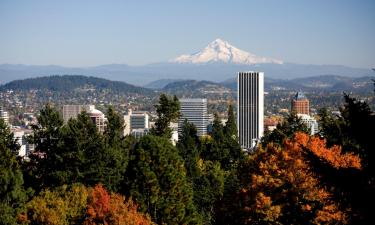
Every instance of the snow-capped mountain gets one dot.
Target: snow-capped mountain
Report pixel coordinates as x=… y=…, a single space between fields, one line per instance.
x=222 y=51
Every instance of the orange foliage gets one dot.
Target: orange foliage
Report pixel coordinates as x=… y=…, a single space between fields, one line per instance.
x=283 y=188
x=331 y=155
x=104 y=208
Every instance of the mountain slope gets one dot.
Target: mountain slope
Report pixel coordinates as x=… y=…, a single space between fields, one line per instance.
x=222 y=51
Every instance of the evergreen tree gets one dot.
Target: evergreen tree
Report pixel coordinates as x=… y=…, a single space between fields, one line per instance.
x=12 y=193
x=352 y=130
x=285 y=129
x=207 y=177
x=187 y=145
x=117 y=150
x=230 y=128
x=156 y=179
x=168 y=110
x=45 y=159
x=80 y=156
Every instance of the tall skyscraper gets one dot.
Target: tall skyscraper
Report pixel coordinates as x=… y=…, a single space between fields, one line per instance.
x=300 y=104
x=195 y=111
x=250 y=107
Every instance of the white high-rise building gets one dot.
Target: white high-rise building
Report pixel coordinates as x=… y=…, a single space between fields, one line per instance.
x=310 y=122
x=136 y=120
x=195 y=111
x=250 y=107
x=4 y=115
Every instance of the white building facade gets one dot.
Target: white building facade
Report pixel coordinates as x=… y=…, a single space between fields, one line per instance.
x=195 y=111
x=250 y=108
x=310 y=122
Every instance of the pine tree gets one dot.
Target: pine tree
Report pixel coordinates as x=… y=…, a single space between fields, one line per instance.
x=230 y=128
x=168 y=110
x=156 y=179
x=12 y=192
x=47 y=138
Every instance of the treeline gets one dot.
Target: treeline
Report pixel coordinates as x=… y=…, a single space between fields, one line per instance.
x=77 y=175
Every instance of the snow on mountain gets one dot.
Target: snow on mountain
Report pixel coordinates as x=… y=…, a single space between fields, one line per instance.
x=222 y=51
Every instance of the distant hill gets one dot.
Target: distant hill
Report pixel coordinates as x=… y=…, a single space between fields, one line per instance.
x=195 y=88
x=318 y=83
x=74 y=83
x=160 y=84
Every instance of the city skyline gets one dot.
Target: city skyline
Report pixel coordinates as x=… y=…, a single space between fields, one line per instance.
x=94 y=33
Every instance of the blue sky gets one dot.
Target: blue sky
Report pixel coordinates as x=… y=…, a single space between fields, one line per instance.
x=87 y=33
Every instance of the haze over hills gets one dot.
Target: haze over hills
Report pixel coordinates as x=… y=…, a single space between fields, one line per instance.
x=217 y=62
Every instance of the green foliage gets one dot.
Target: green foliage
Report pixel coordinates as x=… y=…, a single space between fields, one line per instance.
x=12 y=193
x=116 y=148
x=353 y=131
x=62 y=206
x=230 y=128
x=207 y=177
x=47 y=138
x=286 y=129
x=156 y=179
x=81 y=153
x=66 y=83
x=168 y=110
x=222 y=147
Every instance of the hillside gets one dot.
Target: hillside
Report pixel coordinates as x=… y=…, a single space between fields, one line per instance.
x=315 y=83
x=194 y=88
x=74 y=83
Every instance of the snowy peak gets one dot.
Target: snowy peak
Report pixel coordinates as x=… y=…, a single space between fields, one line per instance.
x=221 y=51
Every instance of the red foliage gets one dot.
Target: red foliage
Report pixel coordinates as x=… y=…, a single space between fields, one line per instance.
x=103 y=208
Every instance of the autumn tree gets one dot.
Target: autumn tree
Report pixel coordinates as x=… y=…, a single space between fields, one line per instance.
x=112 y=209
x=281 y=187
x=167 y=110
x=63 y=205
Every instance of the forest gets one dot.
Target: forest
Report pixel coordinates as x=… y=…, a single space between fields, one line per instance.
x=77 y=175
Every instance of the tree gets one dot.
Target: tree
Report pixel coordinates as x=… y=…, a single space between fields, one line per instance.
x=116 y=148
x=286 y=129
x=12 y=192
x=207 y=177
x=280 y=187
x=106 y=208
x=222 y=148
x=168 y=110
x=81 y=154
x=352 y=130
x=46 y=156
x=230 y=128
x=63 y=205
x=187 y=145
x=78 y=204
x=156 y=179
